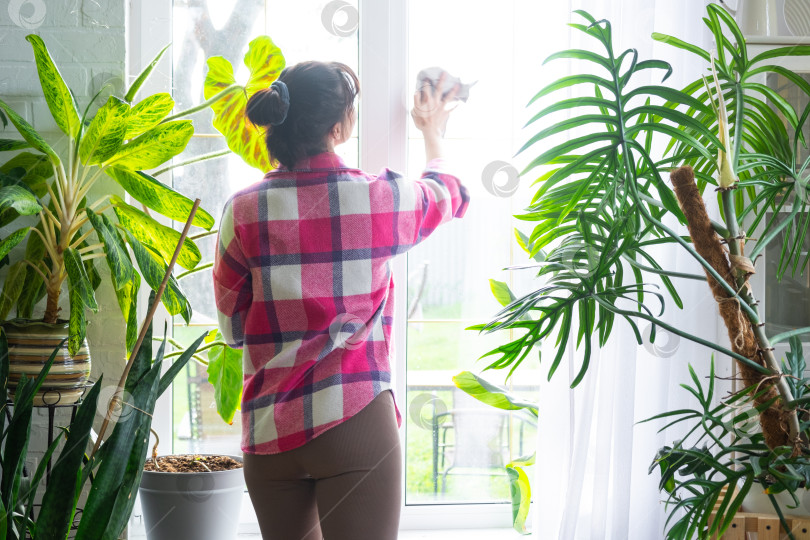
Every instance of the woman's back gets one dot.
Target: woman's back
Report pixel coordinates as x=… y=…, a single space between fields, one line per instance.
x=315 y=245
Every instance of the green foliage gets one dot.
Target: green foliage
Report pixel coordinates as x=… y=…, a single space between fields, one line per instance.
x=598 y=213
x=225 y=373
x=499 y=397
x=119 y=139
x=117 y=466
x=264 y=62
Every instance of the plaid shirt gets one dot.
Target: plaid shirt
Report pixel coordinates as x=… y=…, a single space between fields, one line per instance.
x=303 y=284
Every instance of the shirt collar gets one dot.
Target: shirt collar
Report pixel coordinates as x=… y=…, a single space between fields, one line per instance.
x=324 y=160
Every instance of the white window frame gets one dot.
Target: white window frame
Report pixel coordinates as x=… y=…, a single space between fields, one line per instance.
x=383 y=123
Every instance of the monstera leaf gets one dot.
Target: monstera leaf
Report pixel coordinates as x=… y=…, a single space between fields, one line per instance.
x=265 y=62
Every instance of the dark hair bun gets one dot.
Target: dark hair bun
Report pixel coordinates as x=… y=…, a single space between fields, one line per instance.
x=267 y=107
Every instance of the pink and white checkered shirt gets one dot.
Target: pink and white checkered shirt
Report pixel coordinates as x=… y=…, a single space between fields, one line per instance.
x=303 y=284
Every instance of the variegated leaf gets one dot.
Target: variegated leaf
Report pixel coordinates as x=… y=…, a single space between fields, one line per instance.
x=19 y=199
x=148 y=113
x=154 y=147
x=160 y=197
x=77 y=326
x=57 y=95
x=11 y=144
x=265 y=63
x=29 y=133
x=149 y=231
x=106 y=132
x=121 y=268
x=78 y=279
x=8 y=243
x=36 y=171
x=153 y=267
x=133 y=90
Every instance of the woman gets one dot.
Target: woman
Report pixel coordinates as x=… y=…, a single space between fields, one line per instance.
x=303 y=284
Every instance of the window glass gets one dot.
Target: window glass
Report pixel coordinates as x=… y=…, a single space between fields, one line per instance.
x=457 y=447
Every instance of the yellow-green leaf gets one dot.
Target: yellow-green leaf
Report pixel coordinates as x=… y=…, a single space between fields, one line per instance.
x=264 y=62
x=152 y=233
x=154 y=147
x=36 y=170
x=160 y=197
x=106 y=132
x=77 y=277
x=57 y=95
x=148 y=113
x=153 y=267
x=225 y=374
x=133 y=90
x=29 y=133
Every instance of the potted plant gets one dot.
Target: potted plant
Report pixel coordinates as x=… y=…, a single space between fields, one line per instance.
x=74 y=226
x=204 y=492
x=113 y=470
x=600 y=206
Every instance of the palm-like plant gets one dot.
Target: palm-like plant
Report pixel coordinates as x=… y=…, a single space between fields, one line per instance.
x=601 y=204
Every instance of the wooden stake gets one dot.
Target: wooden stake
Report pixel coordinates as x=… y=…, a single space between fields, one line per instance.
x=144 y=328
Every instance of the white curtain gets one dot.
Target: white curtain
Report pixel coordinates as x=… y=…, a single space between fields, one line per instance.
x=592 y=480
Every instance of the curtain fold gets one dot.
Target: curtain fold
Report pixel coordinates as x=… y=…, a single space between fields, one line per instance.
x=591 y=480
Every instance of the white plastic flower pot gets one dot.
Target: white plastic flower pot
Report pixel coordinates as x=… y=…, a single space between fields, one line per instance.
x=192 y=506
x=757 y=501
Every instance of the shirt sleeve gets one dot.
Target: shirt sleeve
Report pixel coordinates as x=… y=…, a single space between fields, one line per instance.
x=232 y=281
x=417 y=207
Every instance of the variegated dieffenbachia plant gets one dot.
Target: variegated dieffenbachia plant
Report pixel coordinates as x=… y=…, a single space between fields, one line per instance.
x=131 y=141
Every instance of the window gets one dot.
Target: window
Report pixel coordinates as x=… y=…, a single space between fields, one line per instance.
x=443 y=284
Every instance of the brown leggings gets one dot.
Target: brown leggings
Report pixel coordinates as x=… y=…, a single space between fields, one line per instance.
x=343 y=485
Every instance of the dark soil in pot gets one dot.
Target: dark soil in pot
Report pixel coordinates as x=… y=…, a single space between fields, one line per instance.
x=192 y=463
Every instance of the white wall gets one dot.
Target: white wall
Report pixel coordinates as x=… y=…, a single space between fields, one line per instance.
x=87 y=41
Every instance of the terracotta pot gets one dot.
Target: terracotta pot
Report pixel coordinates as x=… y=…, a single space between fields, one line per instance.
x=30 y=344
x=192 y=506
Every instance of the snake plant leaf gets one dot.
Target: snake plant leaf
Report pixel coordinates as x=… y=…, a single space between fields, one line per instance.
x=154 y=147
x=39 y=474
x=35 y=170
x=19 y=429
x=264 y=62
x=121 y=269
x=153 y=267
x=12 y=144
x=110 y=501
x=148 y=113
x=133 y=90
x=225 y=374
x=160 y=237
x=12 y=287
x=106 y=132
x=57 y=500
x=179 y=363
x=57 y=95
x=29 y=133
x=159 y=197
x=78 y=279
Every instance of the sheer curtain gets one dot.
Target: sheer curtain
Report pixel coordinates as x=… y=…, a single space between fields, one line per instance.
x=591 y=480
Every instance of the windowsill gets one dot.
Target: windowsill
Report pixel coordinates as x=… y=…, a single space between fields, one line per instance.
x=446 y=534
